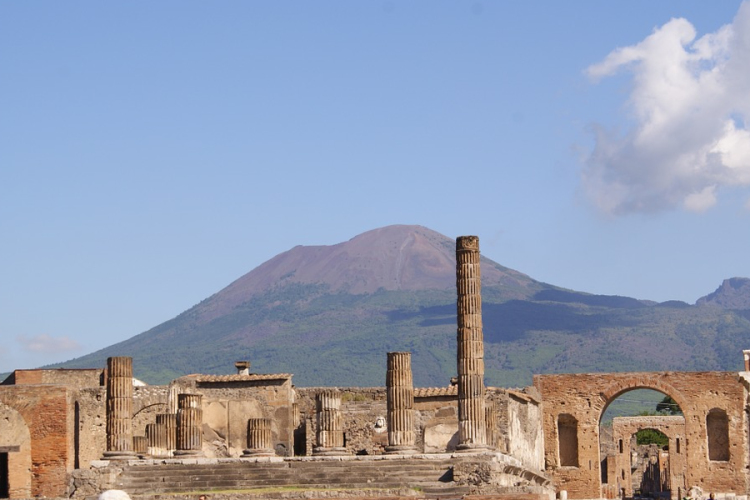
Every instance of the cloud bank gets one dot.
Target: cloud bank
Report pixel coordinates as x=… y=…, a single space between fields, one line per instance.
x=46 y=344
x=688 y=133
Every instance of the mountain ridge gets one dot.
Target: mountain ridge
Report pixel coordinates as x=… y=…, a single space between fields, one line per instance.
x=329 y=314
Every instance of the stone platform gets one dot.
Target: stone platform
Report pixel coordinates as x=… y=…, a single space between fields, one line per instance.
x=442 y=476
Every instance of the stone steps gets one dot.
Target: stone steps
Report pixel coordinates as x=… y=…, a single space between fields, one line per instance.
x=240 y=475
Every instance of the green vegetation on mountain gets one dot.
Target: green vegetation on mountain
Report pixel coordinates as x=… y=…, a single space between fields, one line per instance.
x=329 y=315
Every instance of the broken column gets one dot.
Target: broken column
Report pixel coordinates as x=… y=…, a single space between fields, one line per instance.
x=400 y=404
x=471 y=418
x=330 y=434
x=140 y=446
x=259 y=440
x=119 y=408
x=156 y=434
x=169 y=421
x=746 y=354
x=189 y=426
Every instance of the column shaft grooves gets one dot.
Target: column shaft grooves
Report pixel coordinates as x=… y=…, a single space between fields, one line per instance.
x=400 y=404
x=472 y=431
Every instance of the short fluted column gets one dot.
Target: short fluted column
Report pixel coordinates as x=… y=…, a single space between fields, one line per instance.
x=169 y=421
x=400 y=404
x=330 y=433
x=472 y=432
x=156 y=434
x=259 y=440
x=140 y=446
x=119 y=408
x=189 y=426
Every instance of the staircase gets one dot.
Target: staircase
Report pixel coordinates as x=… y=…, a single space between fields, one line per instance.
x=432 y=475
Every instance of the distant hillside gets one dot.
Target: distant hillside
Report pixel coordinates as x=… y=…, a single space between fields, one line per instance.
x=733 y=293
x=329 y=315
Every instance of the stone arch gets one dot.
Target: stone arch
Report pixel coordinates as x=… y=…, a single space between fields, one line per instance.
x=673 y=427
x=146 y=415
x=618 y=387
x=15 y=442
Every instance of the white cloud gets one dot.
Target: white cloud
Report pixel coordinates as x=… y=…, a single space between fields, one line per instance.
x=46 y=344
x=690 y=112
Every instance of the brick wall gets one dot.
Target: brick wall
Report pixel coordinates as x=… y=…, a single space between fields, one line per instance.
x=45 y=412
x=584 y=397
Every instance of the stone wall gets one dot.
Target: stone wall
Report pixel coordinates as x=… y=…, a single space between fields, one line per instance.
x=148 y=401
x=577 y=401
x=77 y=378
x=91 y=412
x=525 y=436
x=435 y=420
x=363 y=413
x=230 y=400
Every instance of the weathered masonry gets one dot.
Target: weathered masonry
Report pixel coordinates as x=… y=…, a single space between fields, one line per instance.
x=708 y=446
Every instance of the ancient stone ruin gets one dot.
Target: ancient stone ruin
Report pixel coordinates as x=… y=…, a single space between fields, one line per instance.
x=76 y=433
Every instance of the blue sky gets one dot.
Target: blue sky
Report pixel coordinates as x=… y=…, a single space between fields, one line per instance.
x=153 y=152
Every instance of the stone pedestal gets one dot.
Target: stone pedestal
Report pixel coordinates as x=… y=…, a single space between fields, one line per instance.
x=189 y=426
x=400 y=404
x=259 y=440
x=119 y=409
x=472 y=432
x=330 y=433
x=169 y=421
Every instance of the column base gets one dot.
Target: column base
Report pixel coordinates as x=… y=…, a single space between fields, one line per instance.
x=401 y=449
x=471 y=448
x=119 y=455
x=188 y=453
x=262 y=452
x=319 y=451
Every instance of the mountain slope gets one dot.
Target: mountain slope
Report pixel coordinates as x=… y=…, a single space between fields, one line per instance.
x=329 y=314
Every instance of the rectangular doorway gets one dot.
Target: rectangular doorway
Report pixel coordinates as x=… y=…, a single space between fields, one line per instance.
x=4 y=487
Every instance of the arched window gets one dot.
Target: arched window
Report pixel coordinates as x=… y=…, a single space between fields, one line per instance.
x=717 y=431
x=567 y=435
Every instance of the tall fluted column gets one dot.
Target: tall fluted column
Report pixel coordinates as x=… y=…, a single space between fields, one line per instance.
x=259 y=440
x=471 y=418
x=400 y=404
x=119 y=408
x=189 y=426
x=169 y=421
x=330 y=434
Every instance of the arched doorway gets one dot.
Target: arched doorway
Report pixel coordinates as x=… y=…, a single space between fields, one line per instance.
x=641 y=438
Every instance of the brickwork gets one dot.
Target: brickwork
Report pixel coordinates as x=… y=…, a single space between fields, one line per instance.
x=40 y=467
x=78 y=378
x=579 y=400
x=623 y=430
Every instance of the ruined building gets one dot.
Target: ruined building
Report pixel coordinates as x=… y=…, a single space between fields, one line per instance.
x=78 y=432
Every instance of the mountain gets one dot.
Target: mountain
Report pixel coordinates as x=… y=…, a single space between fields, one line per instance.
x=733 y=293
x=329 y=315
